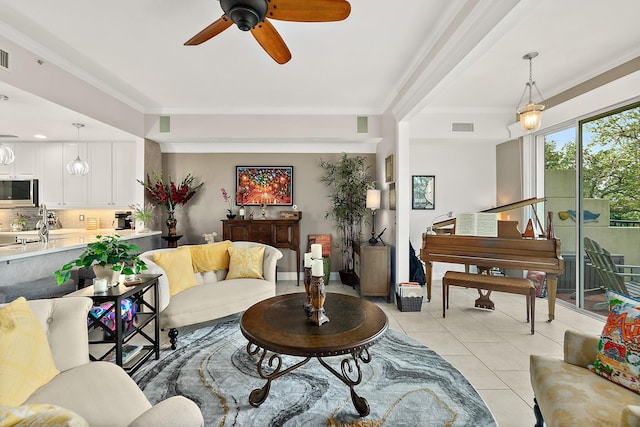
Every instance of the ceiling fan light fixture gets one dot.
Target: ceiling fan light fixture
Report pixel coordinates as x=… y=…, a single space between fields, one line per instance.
x=246 y=14
x=244 y=18
x=530 y=115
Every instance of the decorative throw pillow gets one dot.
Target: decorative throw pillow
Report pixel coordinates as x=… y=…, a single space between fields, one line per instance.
x=178 y=267
x=26 y=363
x=618 y=358
x=245 y=262
x=40 y=415
x=211 y=256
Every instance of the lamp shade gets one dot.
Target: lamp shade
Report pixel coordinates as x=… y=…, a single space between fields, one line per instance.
x=373 y=199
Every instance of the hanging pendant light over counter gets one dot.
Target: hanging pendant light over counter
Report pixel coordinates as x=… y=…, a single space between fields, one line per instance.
x=78 y=167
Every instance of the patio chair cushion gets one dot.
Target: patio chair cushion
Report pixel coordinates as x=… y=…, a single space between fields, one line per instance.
x=618 y=357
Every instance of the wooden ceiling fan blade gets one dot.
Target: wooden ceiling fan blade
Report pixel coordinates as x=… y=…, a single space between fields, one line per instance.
x=211 y=31
x=271 y=41
x=309 y=10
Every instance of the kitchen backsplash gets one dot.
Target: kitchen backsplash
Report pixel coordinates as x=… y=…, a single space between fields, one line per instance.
x=65 y=218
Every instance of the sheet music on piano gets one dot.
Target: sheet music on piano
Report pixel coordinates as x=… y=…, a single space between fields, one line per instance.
x=477 y=224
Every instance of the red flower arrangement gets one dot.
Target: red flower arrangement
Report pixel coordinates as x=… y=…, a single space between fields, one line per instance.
x=168 y=194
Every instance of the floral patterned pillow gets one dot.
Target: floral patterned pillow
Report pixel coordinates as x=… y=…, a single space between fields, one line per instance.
x=618 y=358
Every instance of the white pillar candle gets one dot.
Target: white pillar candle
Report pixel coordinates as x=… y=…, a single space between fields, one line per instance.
x=316 y=251
x=99 y=285
x=317 y=268
x=307 y=260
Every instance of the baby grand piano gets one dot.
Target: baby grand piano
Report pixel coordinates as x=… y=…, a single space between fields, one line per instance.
x=509 y=250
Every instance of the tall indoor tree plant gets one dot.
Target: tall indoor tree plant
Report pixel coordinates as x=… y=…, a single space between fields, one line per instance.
x=348 y=180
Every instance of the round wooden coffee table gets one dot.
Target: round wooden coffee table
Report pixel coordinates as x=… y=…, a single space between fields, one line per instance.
x=280 y=325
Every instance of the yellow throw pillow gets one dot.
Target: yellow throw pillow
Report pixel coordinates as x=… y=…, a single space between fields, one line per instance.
x=211 y=256
x=26 y=363
x=178 y=267
x=40 y=415
x=245 y=262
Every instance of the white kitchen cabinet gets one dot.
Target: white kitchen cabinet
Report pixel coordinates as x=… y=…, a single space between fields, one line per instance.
x=110 y=183
x=112 y=178
x=100 y=192
x=26 y=162
x=124 y=174
x=52 y=172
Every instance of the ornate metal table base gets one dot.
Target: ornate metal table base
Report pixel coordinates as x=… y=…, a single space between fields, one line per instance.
x=274 y=363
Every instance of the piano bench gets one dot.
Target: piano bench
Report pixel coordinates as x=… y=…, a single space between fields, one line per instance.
x=513 y=285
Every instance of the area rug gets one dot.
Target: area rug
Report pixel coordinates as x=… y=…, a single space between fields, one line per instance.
x=406 y=384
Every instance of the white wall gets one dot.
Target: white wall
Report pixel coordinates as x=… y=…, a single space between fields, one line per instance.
x=465 y=181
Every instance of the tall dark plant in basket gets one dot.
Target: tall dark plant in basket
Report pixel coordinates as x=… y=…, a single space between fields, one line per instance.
x=348 y=180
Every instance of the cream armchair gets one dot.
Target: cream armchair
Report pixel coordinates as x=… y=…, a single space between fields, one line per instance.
x=567 y=393
x=101 y=392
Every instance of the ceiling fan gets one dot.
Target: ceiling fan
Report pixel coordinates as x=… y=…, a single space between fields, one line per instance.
x=254 y=15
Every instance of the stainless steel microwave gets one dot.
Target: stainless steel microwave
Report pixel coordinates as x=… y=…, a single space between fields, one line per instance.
x=18 y=193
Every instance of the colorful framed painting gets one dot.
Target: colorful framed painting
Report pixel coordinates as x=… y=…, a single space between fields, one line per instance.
x=423 y=192
x=268 y=185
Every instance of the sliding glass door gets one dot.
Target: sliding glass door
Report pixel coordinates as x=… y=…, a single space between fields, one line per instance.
x=592 y=186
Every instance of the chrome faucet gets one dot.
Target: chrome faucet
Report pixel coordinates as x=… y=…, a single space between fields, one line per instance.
x=43 y=232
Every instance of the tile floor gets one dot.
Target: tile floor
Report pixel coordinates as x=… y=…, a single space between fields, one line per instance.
x=491 y=348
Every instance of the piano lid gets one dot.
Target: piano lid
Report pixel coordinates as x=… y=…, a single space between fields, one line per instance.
x=503 y=208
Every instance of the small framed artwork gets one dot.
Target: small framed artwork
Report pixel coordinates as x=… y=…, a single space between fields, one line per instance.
x=388 y=168
x=423 y=192
x=268 y=185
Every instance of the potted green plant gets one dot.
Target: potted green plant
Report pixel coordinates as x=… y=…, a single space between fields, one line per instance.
x=144 y=215
x=107 y=256
x=19 y=223
x=348 y=180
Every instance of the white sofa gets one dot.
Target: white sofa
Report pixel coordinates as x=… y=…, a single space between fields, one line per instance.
x=214 y=297
x=100 y=392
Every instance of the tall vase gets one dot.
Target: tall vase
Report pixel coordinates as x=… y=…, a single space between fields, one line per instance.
x=171 y=223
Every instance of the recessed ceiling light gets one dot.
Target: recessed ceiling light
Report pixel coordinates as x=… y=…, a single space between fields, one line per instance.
x=40 y=136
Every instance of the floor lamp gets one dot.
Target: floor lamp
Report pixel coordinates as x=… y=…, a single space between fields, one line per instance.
x=373 y=203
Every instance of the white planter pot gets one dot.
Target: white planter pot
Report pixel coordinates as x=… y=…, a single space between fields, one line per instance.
x=113 y=277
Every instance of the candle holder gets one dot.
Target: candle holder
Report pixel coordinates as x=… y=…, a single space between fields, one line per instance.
x=308 y=306
x=318 y=296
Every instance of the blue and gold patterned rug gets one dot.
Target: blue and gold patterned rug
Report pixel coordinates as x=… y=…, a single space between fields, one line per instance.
x=406 y=384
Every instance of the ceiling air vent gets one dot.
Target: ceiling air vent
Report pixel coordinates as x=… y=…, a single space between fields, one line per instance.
x=8 y=136
x=462 y=127
x=4 y=60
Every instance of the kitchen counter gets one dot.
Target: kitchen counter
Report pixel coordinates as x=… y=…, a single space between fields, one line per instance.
x=27 y=270
x=60 y=240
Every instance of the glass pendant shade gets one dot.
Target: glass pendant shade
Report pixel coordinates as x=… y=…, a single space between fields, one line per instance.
x=6 y=155
x=531 y=117
x=78 y=167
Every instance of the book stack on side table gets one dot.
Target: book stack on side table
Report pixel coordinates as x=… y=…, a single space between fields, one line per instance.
x=409 y=296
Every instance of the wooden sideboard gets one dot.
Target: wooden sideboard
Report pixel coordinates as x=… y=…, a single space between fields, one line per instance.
x=279 y=233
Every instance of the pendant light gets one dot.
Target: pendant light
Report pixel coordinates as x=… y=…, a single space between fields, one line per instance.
x=78 y=167
x=531 y=114
x=6 y=153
